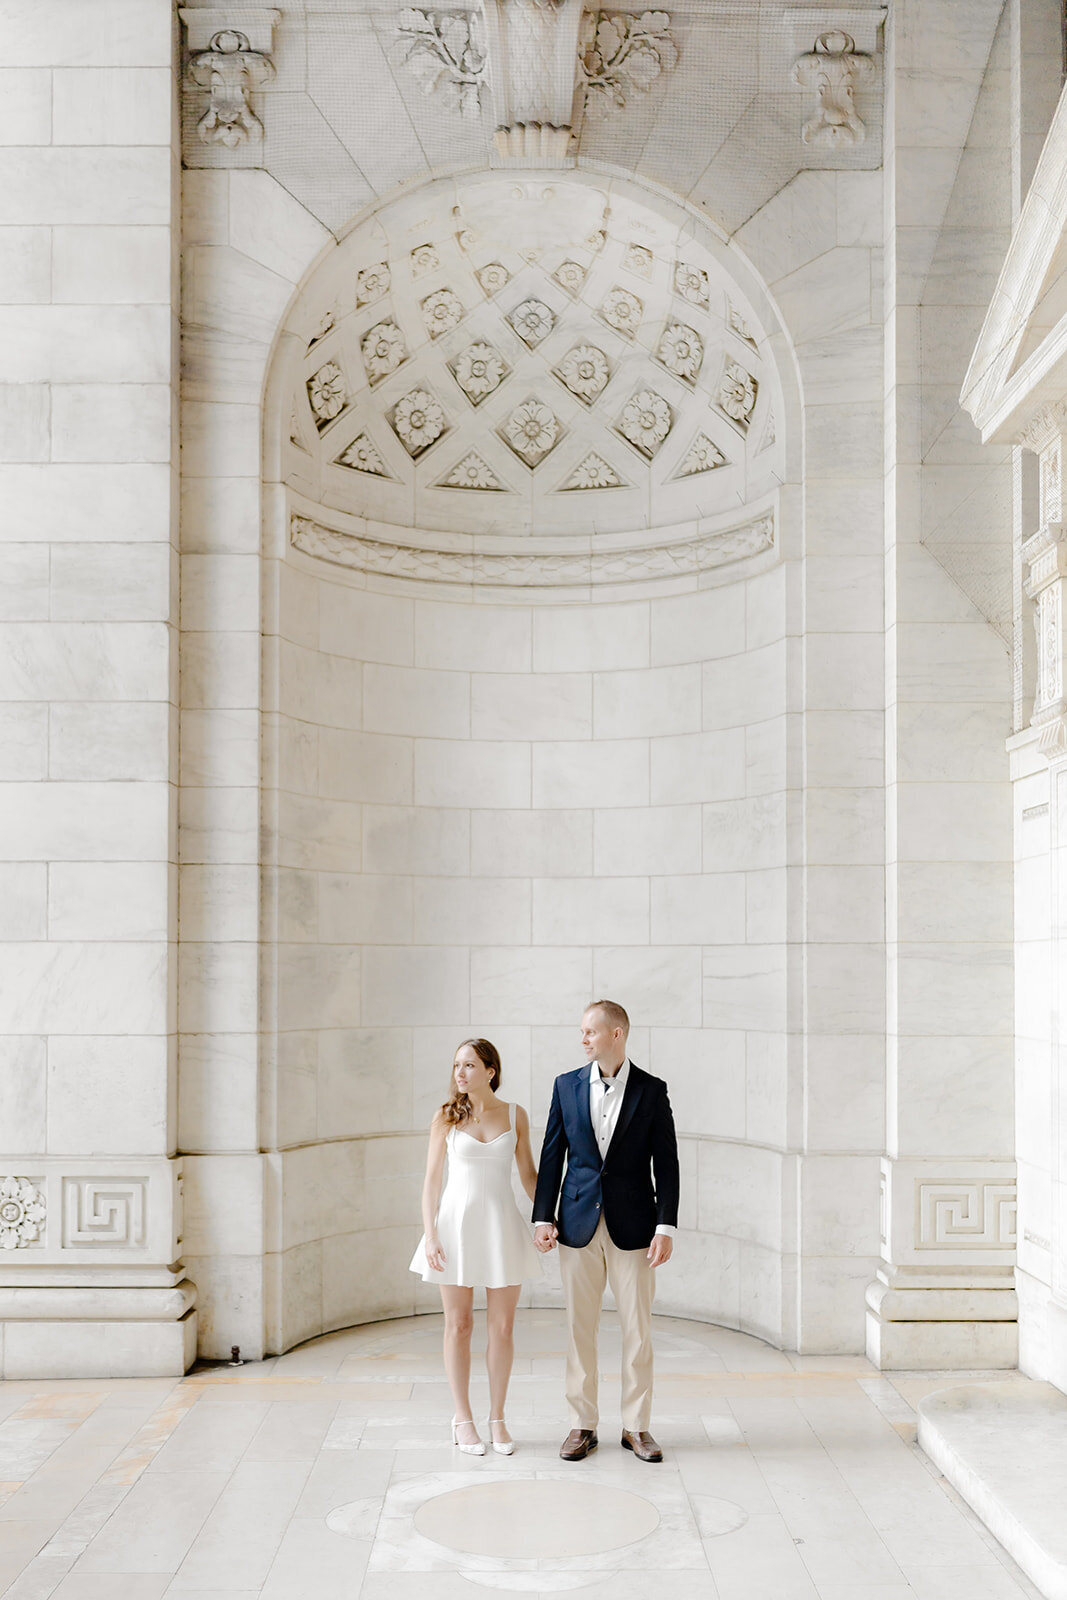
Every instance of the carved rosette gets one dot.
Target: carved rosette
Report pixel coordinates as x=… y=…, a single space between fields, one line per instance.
x=584 y=371
x=22 y=1213
x=327 y=393
x=383 y=350
x=532 y=321
x=418 y=421
x=479 y=370
x=441 y=312
x=372 y=283
x=646 y=421
x=532 y=430
x=622 y=310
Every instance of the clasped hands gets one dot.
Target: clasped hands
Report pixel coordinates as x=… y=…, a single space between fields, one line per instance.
x=659 y=1251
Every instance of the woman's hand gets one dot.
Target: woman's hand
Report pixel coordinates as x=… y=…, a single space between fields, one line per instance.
x=434 y=1254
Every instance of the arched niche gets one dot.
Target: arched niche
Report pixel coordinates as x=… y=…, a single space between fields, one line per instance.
x=530 y=476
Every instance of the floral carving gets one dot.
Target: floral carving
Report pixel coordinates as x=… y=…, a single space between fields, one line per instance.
x=593 y=473
x=617 y=54
x=638 y=259
x=383 y=350
x=703 y=455
x=737 y=324
x=446 y=48
x=327 y=393
x=362 y=456
x=692 y=284
x=372 y=283
x=472 y=473
x=532 y=321
x=22 y=1212
x=532 y=431
x=424 y=258
x=327 y=322
x=493 y=277
x=230 y=69
x=681 y=350
x=596 y=240
x=621 y=310
x=646 y=421
x=441 y=311
x=479 y=370
x=570 y=275
x=418 y=421
x=737 y=393
x=832 y=70
x=585 y=371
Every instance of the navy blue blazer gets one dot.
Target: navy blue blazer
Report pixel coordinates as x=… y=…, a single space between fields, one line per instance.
x=636 y=1184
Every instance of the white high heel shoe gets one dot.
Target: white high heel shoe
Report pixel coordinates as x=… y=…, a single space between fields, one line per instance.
x=501 y=1449
x=477 y=1449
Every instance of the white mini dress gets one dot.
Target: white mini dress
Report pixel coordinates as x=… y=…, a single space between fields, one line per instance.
x=486 y=1241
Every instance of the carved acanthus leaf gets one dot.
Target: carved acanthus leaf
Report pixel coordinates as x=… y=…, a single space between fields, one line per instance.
x=446 y=49
x=618 y=54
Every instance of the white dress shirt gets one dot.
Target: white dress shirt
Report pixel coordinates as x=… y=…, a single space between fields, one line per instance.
x=605 y=1103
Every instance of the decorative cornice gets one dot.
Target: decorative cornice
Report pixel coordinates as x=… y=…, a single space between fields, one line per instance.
x=534 y=569
x=1044 y=426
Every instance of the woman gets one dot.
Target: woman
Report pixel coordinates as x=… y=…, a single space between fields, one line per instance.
x=476 y=1237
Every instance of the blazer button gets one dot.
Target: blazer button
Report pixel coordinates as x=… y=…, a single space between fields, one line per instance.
x=598 y=1205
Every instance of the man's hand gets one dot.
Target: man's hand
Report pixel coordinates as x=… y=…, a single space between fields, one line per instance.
x=660 y=1250
x=545 y=1237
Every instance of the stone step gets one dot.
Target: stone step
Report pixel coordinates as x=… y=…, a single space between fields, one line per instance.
x=1003 y=1446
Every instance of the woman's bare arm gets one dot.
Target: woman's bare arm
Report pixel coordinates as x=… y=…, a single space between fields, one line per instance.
x=431 y=1191
x=523 y=1154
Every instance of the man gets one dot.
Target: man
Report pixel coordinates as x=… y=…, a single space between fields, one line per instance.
x=616 y=1220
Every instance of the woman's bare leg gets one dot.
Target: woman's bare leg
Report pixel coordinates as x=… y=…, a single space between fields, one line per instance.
x=500 y=1322
x=458 y=1305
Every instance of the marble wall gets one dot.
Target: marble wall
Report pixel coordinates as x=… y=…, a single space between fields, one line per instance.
x=768 y=811
x=89 y=241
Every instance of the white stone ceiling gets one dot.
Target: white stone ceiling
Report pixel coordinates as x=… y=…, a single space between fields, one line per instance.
x=514 y=355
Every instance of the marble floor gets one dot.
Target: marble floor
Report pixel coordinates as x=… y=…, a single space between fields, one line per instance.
x=326 y=1474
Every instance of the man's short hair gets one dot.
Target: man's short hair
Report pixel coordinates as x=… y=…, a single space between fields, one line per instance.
x=612 y=1012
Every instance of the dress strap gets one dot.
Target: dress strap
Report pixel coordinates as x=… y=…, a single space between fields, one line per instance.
x=511 y=1105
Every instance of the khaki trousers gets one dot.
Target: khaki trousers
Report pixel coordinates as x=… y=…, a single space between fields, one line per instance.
x=584 y=1273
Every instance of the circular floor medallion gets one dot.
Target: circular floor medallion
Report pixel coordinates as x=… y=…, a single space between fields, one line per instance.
x=539 y=1517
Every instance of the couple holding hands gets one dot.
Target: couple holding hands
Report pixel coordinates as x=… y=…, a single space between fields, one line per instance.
x=606 y=1194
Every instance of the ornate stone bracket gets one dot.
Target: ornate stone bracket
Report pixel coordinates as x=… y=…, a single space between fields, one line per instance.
x=832 y=71
x=230 y=56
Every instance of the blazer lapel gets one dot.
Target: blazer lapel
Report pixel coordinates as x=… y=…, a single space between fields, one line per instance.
x=634 y=1090
x=582 y=1121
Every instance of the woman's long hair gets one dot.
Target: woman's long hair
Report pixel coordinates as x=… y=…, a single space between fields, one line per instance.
x=457 y=1109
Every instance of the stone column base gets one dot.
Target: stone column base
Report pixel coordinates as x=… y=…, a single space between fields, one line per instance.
x=927 y=1330
x=97 y=1332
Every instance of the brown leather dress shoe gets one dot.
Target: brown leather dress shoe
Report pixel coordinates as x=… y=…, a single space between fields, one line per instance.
x=578 y=1444
x=643 y=1445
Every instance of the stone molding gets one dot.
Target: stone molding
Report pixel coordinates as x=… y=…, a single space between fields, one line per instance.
x=532 y=569
x=941 y=1215
x=1045 y=554
x=230 y=56
x=85 y=1213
